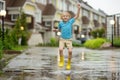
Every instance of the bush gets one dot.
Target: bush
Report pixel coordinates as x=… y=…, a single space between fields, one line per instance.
x=1 y=49
x=116 y=42
x=8 y=40
x=53 y=42
x=94 y=43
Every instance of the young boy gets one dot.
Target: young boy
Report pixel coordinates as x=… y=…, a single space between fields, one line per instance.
x=65 y=27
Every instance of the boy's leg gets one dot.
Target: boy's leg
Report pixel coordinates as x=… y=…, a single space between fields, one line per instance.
x=70 y=53
x=61 y=47
x=69 y=59
x=69 y=45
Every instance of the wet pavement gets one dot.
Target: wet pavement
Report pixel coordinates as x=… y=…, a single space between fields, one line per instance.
x=40 y=63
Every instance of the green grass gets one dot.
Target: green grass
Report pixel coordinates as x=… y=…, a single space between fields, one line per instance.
x=19 y=48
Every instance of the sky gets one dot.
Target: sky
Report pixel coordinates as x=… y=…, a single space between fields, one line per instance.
x=108 y=6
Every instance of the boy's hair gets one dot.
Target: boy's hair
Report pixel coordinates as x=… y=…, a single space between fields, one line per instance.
x=71 y=13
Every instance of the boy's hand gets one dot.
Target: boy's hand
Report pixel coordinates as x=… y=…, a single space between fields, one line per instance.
x=55 y=30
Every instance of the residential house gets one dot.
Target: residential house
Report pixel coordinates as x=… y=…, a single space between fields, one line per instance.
x=113 y=26
x=32 y=11
x=15 y=7
x=91 y=19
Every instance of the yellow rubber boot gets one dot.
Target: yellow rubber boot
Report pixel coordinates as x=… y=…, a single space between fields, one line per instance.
x=61 y=62
x=68 y=67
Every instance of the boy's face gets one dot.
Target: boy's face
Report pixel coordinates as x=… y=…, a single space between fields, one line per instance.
x=65 y=16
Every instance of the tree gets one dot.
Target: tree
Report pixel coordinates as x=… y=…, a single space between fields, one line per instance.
x=20 y=30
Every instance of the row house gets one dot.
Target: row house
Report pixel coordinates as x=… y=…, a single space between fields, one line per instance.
x=43 y=16
x=91 y=19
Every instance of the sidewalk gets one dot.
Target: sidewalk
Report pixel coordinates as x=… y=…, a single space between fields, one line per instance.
x=41 y=63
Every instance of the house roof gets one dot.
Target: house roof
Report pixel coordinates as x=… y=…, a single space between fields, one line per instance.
x=15 y=3
x=49 y=10
x=40 y=6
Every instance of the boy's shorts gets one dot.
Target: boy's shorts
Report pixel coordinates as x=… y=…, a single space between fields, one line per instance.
x=65 y=43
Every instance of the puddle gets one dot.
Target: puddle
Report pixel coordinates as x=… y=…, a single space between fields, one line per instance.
x=86 y=65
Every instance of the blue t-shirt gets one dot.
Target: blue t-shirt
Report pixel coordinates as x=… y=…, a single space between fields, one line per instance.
x=66 y=28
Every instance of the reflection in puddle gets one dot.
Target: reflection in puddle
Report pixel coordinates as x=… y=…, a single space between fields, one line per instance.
x=83 y=56
x=103 y=67
x=68 y=77
x=114 y=67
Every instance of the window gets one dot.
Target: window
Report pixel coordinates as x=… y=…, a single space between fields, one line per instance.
x=73 y=8
x=38 y=16
x=59 y=4
x=14 y=17
x=95 y=17
x=103 y=20
x=85 y=13
x=48 y=23
x=28 y=19
x=42 y=1
x=64 y=6
x=2 y=5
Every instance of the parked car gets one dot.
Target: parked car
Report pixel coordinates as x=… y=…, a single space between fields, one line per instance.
x=83 y=40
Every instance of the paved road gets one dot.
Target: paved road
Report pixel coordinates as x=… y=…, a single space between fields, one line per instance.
x=40 y=63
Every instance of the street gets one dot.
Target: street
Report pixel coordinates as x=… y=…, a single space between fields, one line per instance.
x=40 y=63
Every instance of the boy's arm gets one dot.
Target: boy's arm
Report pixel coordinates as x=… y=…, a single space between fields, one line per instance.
x=55 y=30
x=58 y=29
x=78 y=12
